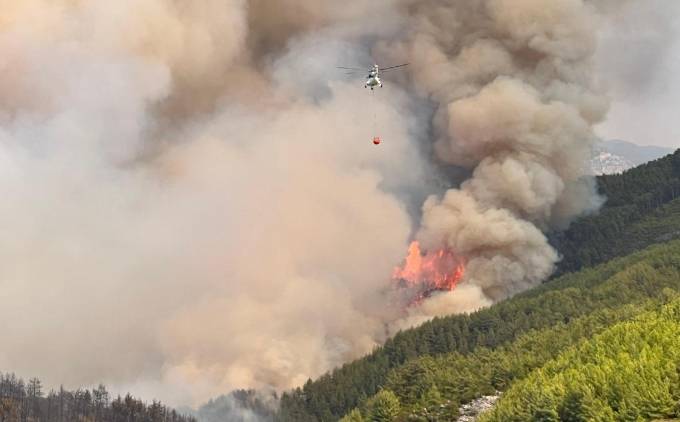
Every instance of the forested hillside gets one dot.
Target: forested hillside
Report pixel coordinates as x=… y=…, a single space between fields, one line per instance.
x=472 y=341
x=434 y=387
x=426 y=373
x=21 y=402
x=641 y=209
x=629 y=372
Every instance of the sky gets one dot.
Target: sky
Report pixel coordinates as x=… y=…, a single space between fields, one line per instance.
x=639 y=60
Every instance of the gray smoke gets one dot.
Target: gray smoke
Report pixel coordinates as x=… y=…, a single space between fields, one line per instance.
x=517 y=103
x=183 y=214
x=192 y=204
x=238 y=406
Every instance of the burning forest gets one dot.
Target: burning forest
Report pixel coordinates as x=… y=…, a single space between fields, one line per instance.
x=185 y=183
x=425 y=273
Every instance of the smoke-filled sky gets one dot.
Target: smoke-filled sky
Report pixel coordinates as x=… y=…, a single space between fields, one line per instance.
x=191 y=201
x=640 y=63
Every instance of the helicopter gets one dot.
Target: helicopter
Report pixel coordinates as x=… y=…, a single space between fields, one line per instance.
x=373 y=78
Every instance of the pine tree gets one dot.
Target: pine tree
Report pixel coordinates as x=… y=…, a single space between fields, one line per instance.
x=545 y=415
x=383 y=407
x=571 y=409
x=353 y=416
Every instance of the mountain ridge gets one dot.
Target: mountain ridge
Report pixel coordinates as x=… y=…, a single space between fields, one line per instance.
x=616 y=156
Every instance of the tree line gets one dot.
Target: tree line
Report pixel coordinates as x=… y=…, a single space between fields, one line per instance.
x=634 y=198
x=22 y=401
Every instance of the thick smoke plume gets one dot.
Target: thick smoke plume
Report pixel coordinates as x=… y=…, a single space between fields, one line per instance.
x=191 y=203
x=516 y=102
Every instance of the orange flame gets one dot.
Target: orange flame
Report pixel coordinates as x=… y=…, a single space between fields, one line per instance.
x=431 y=271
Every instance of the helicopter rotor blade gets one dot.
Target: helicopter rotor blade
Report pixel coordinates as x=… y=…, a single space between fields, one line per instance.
x=350 y=68
x=394 y=67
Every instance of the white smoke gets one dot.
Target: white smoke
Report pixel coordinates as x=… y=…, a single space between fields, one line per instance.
x=178 y=221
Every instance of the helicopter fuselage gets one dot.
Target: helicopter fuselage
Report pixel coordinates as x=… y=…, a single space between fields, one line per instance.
x=372 y=82
x=373 y=79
